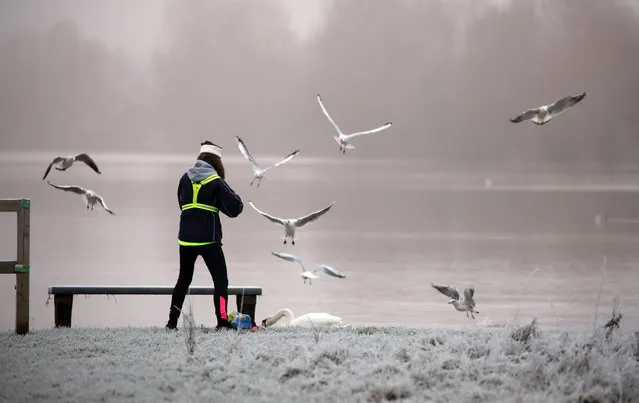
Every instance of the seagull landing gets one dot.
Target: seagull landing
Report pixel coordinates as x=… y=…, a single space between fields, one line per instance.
x=467 y=304
x=306 y=275
x=90 y=196
x=343 y=139
x=291 y=224
x=543 y=114
x=258 y=172
x=64 y=163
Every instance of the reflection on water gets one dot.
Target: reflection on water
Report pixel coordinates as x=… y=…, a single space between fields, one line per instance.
x=395 y=227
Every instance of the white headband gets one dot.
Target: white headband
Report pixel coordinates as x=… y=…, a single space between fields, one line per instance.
x=208 y=148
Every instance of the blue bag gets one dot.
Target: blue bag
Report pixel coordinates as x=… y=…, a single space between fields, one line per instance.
x=242 y=321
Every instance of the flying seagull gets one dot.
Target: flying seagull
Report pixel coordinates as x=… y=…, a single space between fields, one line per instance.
x=291 y=224
x=90 y=196
x=467 y=304
x=306 y=275
x=543 y=114
x=343 y=139
x=259 y=172
x=64 y=163
x=329 y=270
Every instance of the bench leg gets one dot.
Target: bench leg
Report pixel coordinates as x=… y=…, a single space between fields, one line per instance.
x=63 y=304
x=247 y=304
x=22 y=303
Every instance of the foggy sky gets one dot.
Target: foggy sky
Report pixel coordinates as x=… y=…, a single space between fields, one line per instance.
x=153 y=76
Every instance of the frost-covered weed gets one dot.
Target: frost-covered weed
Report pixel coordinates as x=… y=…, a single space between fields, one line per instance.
x=188 y=323
x=289 y=364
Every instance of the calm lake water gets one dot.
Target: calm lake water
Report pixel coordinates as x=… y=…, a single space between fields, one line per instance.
x=394 y=228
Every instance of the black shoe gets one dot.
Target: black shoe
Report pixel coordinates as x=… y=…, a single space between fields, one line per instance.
x=171 y=326
x=225 y=325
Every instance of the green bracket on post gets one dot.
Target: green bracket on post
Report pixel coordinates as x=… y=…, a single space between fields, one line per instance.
x=22 y=268
x=26 y=203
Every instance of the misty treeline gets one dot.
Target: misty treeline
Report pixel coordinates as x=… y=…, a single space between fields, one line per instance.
x=449 y=74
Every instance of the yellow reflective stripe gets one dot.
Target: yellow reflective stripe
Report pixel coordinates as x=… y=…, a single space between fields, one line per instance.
x=210 y=179
x=196 y=190
x=206 y=207
x=200 y=206
x=184 y=243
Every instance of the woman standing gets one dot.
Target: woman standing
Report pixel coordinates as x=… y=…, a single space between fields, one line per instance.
x=202 y=193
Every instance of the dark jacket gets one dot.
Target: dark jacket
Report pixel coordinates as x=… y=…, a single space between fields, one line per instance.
x=197 y=225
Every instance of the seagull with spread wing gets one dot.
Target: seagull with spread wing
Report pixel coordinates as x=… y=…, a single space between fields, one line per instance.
x=291 y=224
x=543 y=114
x=64 y=163
x=329 y=270
x=343 y=139
x=306 y=275
x=258 y=172
x=467 y=304
x=90 y=196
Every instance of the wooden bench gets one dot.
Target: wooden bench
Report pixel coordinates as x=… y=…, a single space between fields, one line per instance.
x=246 y=297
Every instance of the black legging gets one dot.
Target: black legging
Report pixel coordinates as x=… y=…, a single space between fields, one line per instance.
x=215 y=262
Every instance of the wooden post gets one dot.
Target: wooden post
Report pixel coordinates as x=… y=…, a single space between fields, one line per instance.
x=21 y=266
x=246 y=304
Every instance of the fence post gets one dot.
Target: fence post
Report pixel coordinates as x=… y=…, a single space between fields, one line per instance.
x=21 y=266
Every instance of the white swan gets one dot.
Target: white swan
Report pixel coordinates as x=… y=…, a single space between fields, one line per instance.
x=343 y=139
x=90 y=197
x=258 y=171
x=292 y=224
x=313 y=319
x=544 y=113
